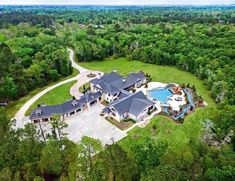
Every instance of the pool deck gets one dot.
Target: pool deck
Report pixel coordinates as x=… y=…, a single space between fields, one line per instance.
x=175 y=101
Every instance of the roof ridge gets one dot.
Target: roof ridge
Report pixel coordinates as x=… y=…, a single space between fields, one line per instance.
x=126 y=98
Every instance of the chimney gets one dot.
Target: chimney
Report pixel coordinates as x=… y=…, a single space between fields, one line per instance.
x=124 y=79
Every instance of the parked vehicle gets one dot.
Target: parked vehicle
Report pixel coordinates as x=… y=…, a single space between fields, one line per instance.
x=3 y=103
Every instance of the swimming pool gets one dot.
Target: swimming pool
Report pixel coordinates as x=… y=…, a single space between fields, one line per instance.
x=160 y=94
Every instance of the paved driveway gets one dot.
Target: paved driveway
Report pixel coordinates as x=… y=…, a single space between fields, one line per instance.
x=81 y=78
x=89 y=123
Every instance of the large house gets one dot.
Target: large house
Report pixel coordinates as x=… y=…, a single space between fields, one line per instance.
x=116 y=89
x=135 y=106
x=113 y=86
x=67 y=109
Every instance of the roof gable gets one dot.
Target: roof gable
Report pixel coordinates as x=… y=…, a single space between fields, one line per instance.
x=110 y=77
x=133 y=104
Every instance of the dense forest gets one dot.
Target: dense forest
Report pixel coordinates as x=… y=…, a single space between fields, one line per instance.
x=206 y=51
x=30 y=57
x=33 y=53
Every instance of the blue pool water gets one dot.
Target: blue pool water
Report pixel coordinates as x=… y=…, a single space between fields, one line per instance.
x=160 y=94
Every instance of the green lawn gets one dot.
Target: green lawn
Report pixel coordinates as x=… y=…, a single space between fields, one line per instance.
x=177 y=136
x=84 y=87
x=165 y=74
x=13 y=107
x=56 y=96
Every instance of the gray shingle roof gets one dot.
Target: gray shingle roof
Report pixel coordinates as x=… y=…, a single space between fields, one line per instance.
x=137 y=76
x=110 y=77
x=133 y=104
x=123 y=94
x=113 y=83
x=89 y=96
x=95 y=81
x=109 y=88
x=123 y=83
x=67 y=107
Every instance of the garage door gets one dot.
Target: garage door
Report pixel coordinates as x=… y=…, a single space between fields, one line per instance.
x=93 y=102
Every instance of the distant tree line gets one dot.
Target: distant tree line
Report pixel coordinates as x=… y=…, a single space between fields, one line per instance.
x=14 y=18
x=148 y=15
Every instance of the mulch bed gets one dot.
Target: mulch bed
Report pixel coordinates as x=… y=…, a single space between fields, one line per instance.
x=122 y=125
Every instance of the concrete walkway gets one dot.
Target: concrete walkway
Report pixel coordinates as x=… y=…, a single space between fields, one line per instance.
x=20 y=117
x=74 y=64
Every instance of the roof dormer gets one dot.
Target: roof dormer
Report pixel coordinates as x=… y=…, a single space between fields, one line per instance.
x=74 y=103
x=38 y=112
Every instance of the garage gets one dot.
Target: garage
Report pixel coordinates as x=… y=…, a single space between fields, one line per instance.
x=93 y=102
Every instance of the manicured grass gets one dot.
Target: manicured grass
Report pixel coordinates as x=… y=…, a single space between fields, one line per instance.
x=84 y=87
x=165 y=74
x=177 y=136
x=56 y=96
x=14 y=106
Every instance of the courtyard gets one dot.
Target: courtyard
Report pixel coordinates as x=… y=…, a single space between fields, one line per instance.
x=90 y=123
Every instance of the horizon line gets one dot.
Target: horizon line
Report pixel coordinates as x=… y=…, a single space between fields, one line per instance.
x=116 y=4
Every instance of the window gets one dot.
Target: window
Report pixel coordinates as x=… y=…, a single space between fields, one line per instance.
x=72 y=113
x=151 y=108
x=45 y=119
x=36 y=120
x=78 y=110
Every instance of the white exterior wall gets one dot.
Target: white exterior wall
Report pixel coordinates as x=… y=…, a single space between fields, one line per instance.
x=109 y=98
x=132 y=117
x=140 y=83
x=117 y=117
x=142 y=114
x=92 y=87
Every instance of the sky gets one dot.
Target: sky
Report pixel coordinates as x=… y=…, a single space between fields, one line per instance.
x=118 y=2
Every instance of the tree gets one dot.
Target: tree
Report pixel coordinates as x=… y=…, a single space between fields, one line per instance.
x=227 y=173
x=6 y=58
x=6 y=174
x=84 y=167
x=117 y=27
x=57 y=126
x=4 y=124
x=147 y=154
x=51 y=162
x=162 y=173
x=118 y=165
x=8 y=89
